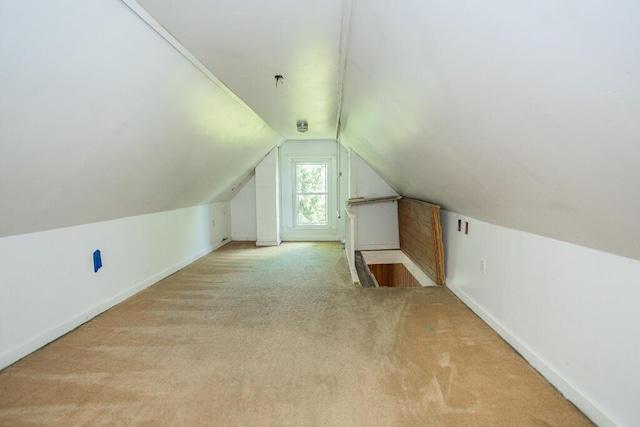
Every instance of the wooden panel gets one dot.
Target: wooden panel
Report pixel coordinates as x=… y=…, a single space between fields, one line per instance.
x=382 y=273
x=394 y=276
x=421 y=236
x=403 y=277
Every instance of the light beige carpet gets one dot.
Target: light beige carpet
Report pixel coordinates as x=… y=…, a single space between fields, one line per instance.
x=278 y=336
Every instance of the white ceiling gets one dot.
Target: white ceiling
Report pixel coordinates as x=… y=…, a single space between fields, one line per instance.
x=522 y=114
x=101 y=119
x=245 y=43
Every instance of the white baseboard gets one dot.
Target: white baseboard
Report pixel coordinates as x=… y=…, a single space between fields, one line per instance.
x=311 y=238
x=378 y=247
x=208 y=251
x=244 y=239
x=32 y=344
x=570 y=391
x=268 y=243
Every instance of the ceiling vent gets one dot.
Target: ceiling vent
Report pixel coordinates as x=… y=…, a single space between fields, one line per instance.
x=302 y=125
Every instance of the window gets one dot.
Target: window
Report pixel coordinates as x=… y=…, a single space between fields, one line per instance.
x=312 y=194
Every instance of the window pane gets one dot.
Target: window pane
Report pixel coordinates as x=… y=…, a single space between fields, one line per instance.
x=311 y=178
x=311 y=209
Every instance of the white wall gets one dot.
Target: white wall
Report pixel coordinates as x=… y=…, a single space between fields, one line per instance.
x=572 y=312
x=519 y=113
x=268 y=200
x=310 y=150
x=103 y=119
x=243 y=213
x=376 y=224
x=47 y=281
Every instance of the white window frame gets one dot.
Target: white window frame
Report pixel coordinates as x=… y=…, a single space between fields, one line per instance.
x=326 y=161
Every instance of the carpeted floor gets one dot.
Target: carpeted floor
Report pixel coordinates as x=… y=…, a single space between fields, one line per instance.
x=278 y=336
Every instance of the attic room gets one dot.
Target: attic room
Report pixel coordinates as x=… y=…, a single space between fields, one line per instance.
x=163 y=260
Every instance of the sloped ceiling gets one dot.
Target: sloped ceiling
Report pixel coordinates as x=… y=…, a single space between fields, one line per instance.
x=245 y=43
x=522 y=114
x=102 y=119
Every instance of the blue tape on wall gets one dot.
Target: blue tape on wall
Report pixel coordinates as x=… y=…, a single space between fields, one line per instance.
x=97 y=261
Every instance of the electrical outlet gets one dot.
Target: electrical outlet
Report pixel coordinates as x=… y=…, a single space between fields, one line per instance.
x=483 y=265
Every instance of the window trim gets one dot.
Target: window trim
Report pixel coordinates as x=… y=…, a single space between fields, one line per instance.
x=327 y=161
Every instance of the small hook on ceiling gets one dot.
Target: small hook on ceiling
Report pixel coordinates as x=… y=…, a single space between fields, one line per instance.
x=278 y=77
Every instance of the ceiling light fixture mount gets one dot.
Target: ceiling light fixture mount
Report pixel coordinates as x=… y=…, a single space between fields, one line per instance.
x=302 y=125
